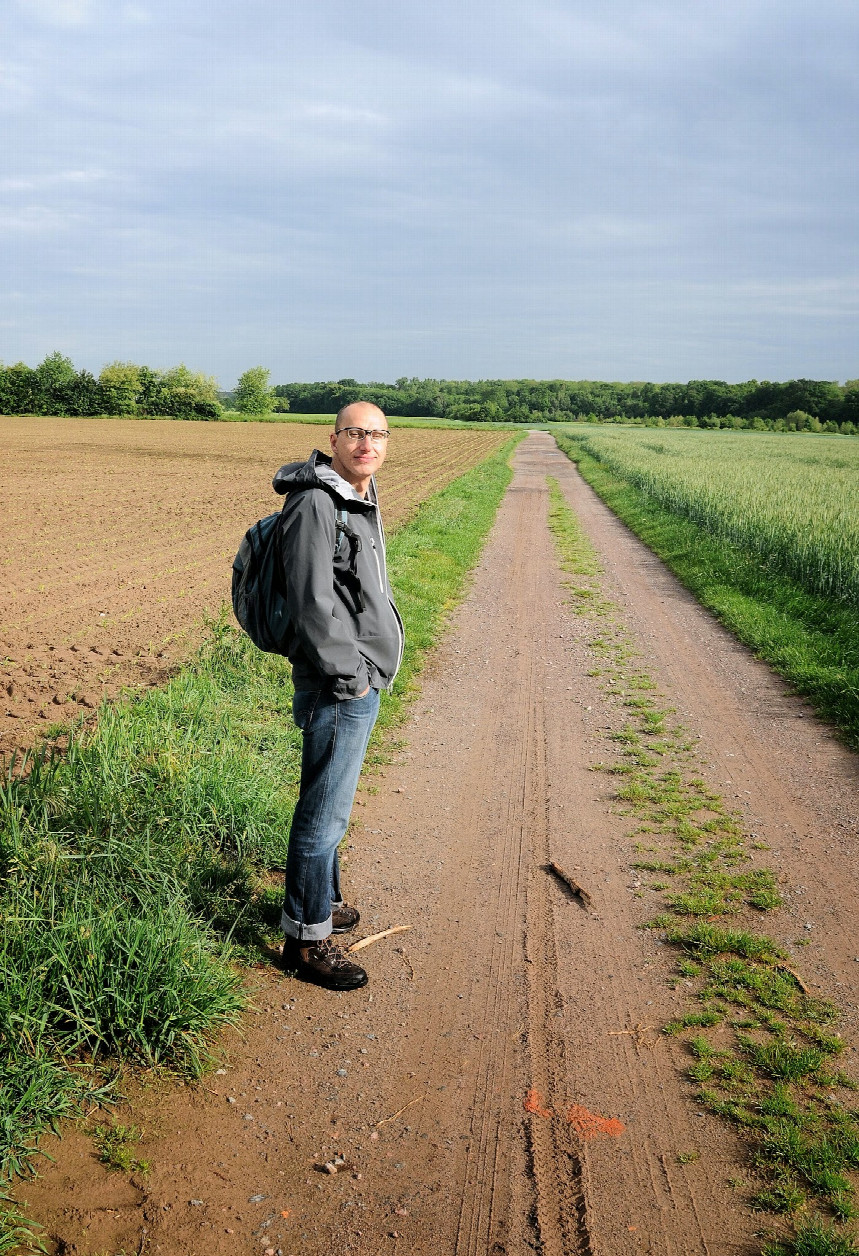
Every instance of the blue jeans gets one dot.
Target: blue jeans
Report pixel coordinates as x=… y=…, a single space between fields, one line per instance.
x=335 y=742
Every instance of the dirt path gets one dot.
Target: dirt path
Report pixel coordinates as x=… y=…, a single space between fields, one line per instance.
x=506 y=985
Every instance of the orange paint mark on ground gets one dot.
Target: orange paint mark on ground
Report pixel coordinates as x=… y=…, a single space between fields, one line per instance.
x=534 y=1103
x=590 y=1125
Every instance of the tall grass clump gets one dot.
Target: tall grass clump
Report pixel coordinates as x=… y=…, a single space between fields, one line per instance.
x=135 y=862
x=127 y=864
x=815 y=1238
x=127 y=861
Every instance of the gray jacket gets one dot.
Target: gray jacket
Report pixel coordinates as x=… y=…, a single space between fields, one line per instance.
x=332 y=644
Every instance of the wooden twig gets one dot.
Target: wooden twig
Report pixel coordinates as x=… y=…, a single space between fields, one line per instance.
x=572 y=885
x=394 y=1115
x=374 y=937
x=637 y=1035
x=785 y=968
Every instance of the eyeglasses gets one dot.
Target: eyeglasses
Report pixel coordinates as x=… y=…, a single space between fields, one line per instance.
x=377 y=435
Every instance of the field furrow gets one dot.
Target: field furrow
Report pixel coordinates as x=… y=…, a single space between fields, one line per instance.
x=120 y=535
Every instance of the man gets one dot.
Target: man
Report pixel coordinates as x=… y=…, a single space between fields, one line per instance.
x=345 y=643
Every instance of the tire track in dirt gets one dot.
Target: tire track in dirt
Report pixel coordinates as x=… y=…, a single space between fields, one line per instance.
x=559 y=1196
x=519 y=763
x=491 y=810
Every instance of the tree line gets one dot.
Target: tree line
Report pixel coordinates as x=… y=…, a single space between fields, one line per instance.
x=124 y=388
x=797 y=405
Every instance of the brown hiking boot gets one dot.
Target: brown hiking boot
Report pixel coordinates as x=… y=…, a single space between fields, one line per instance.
x=344 y=918
x=323 y=963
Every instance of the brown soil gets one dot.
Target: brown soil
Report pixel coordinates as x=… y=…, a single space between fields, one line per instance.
x=477 y=1087
x=119 y=535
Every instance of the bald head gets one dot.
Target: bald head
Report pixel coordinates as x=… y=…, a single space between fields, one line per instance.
x=357 y=414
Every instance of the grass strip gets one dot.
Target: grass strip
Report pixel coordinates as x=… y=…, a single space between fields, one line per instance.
x=325 y=420
x=811 y=641
x=769 y=1064
x=136 y=862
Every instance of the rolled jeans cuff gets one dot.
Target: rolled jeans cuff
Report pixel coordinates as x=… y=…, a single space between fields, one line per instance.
x=305 y=933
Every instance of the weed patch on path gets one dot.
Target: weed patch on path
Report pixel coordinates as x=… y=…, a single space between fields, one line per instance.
x=115 y=1145
x=763 y=1054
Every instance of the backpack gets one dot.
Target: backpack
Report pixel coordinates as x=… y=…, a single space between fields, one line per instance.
x=258 y=589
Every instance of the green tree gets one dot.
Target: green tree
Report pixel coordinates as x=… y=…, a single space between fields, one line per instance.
x=252 y=394
x=187 y=394
x=82 y=394
x=52 y=379
x=812 y=396
x=801 y=421
x=120 y=384
x=55 y=372
x=202 y=387
x=20 y=392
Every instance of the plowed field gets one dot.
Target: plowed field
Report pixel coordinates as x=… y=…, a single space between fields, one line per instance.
x=119 y=535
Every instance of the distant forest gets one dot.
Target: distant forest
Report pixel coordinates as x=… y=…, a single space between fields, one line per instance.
x=55 y=386
x=798 y=405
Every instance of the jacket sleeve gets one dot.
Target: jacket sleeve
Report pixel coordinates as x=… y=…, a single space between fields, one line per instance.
x=308 y=534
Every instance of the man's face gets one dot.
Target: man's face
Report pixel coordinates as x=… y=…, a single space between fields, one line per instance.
x=357 y=460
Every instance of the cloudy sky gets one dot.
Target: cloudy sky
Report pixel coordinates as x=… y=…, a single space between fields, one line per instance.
x=630 y=189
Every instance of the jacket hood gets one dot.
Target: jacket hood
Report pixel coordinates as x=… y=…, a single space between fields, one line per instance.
x=317 y=472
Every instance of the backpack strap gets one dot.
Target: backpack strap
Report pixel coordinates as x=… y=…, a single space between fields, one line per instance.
x=350 y=579
x=341 y=525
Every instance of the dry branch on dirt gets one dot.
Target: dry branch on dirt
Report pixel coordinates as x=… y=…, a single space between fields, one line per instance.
x=572 y=885
x=375 y=937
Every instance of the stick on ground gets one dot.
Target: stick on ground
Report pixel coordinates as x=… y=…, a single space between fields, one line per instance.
x=785 y=968
x=374 y=937
x=399 y=1112
x=572 y=885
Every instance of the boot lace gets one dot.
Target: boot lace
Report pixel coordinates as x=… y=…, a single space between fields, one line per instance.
x=332 y=954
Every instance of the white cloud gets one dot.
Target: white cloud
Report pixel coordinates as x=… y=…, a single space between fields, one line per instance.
x=136 y=15
x=60 y=12
x=37 y=220
x=820 y=297
x=58 y=179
